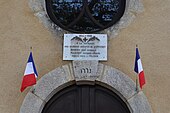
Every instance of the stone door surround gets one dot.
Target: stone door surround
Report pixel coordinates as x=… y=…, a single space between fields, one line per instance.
x=85 y=72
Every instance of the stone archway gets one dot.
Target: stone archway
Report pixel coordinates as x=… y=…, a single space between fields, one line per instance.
x=64 y=76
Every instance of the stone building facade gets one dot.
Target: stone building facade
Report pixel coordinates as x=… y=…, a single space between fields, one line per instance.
x=20 y=30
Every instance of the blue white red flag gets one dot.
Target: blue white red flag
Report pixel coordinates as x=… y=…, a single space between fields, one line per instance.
x=139 y=69
x=30 y=74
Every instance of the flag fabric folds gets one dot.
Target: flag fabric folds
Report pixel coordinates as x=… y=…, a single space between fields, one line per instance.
x=30 y=74
x=139 y=69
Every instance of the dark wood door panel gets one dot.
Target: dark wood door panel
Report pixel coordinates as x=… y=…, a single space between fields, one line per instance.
x=63 y=102
x=85 y=99
x=106 y=103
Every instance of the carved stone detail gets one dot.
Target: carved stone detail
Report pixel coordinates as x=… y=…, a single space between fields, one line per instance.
x=85 y=70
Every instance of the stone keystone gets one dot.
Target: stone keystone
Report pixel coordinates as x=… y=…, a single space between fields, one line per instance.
x=85 y=70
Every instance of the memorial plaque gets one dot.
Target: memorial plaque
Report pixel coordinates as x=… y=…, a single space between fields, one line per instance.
x=85 y=47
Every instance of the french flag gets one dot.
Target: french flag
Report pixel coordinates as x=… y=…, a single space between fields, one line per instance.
x=30 y=74
x=139 y=69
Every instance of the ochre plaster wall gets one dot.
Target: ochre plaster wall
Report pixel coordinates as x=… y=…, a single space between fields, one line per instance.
x=20 y=29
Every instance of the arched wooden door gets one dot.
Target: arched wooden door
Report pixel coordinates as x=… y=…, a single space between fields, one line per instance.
x=85 y=99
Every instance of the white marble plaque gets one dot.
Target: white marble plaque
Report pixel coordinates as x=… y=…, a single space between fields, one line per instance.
x=85 y=47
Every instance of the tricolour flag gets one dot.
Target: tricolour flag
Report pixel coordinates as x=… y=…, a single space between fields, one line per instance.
x=139 y=69
x=30 y=74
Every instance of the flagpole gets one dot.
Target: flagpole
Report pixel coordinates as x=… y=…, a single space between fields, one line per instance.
x=137 y=88
x=33 y=87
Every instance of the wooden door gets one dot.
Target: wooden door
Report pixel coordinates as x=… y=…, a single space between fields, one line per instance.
x=85 y=99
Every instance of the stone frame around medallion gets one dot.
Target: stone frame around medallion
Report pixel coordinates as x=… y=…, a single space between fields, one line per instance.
x=133 y=7
x=64 y=76
x=95 y=23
